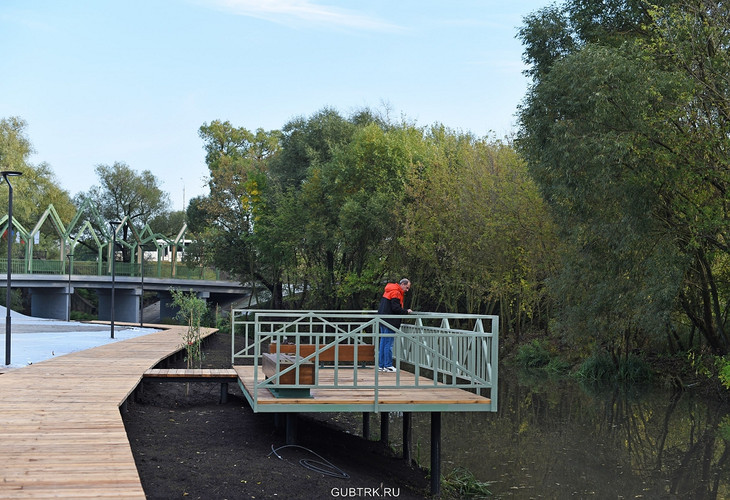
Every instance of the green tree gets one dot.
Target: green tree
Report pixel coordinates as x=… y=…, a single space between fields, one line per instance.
x=477 y=235
x=124 y=193
x=35 y=190
x=349 y=182
x=168 y=224
x=625 y=130
x=241 y=197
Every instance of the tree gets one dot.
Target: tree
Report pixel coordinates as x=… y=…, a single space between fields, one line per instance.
x=341 y=202
x=191 y=311
x=241 y=196
x=36 y=189
x=625 y=130
x=124 y=193
x=168 y=224
x=477 y=236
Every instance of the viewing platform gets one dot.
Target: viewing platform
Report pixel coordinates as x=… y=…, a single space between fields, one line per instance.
x=291 y=362
x=446 y=362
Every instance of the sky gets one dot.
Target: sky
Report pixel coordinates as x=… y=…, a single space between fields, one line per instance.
x=132 y=81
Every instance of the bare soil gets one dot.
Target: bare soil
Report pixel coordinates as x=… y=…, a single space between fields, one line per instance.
x=190 y=446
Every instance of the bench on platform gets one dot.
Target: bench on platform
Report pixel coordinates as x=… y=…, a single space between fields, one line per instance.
x=341 y=353
x=220 y=375
x=273 y=363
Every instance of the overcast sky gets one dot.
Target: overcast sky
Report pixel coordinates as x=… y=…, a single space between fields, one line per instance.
x=104 y=81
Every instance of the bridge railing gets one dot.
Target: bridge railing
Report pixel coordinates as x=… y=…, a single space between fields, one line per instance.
x=448 y=350
x=160 y=269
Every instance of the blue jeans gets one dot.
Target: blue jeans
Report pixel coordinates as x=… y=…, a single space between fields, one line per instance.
x=385 y=354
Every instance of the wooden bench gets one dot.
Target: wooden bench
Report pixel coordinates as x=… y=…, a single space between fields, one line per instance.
x=273 y=363
x=305 y=369
x=221 y=375
x=345 y=353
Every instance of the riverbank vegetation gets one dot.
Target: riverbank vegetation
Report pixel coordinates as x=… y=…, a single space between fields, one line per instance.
x=599 y=233
x=625 y=130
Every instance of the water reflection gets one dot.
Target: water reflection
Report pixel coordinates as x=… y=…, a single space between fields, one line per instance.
x=558 y=440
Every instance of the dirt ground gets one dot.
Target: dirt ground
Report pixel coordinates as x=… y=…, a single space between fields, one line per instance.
x=190 y=446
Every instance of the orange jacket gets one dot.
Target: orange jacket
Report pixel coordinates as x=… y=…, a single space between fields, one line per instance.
x=392 y=303
x=394 y=291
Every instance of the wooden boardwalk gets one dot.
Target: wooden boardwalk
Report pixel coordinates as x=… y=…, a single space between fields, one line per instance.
x=61 y=432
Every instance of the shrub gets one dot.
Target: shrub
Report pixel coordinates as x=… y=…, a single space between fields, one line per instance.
x=557 y=366
x=533 y=355
x=461 y=483
x=633 y=369
x=191 y=313
x=723 y=371
x=600 y=367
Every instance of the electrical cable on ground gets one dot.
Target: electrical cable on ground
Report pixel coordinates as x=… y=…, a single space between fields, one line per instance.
x=325 y=467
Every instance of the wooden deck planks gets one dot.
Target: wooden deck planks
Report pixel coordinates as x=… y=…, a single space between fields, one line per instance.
x=61 y=431
x=349 y=394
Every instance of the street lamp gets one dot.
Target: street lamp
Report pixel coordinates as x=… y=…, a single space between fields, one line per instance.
x=6 y=174
x=114 y=225
x=141 y=297
x=70 y=256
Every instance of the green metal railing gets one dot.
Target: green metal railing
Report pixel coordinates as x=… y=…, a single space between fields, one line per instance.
x=449 y=350
x=160 y=269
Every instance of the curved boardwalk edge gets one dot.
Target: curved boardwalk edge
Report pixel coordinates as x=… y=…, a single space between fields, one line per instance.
x=61 y=431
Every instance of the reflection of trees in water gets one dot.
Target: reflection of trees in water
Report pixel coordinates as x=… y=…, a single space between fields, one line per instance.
x=703 y=461
x=560 y=440
x=673 y=446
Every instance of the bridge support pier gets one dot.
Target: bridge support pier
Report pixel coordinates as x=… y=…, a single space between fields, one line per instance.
x=126 y=304
x=49 y=303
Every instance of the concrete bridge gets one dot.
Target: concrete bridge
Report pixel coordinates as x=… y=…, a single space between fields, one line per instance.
x=51 y=294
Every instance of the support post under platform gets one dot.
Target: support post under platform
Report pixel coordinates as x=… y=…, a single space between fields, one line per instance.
x=384 y=427
x=291 y=428
x=407 y=436
x=436 y=453
x=366 y=425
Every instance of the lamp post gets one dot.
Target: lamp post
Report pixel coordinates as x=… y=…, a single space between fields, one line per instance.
x=8 y=328
x=114 y=225
x=141 y=297
x=70 y=256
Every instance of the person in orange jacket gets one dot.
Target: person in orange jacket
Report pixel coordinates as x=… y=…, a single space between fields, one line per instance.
x=391 y=303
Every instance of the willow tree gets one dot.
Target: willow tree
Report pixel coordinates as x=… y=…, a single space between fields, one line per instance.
x=625 y=129
x=477 y=236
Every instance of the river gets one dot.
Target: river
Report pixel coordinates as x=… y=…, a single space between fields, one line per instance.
x=558 y=439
